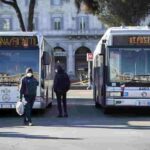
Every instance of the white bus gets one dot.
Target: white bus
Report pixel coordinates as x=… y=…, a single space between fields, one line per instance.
x=121 y=66
x=19 y=50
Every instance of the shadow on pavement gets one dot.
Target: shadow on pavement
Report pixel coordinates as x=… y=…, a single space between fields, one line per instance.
x=18 y=135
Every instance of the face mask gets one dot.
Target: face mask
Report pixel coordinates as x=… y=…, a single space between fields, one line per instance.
x=29 y=74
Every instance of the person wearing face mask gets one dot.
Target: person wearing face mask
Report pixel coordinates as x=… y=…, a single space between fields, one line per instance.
x=28 y=89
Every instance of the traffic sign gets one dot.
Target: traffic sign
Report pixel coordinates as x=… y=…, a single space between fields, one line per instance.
x=89 y=57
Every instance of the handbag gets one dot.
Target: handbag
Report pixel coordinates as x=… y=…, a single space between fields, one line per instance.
x=20 y=108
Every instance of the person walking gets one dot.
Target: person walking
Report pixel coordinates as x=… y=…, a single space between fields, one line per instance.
x=28 y=89
x=61 y=86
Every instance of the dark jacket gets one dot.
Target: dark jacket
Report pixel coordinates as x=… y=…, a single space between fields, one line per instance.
x=28 y=86
x=61 y=81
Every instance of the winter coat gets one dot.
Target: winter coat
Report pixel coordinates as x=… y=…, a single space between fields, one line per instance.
x=61 y=82
x=28 y=86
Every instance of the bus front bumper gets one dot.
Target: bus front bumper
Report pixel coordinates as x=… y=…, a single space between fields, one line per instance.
x=127 y=102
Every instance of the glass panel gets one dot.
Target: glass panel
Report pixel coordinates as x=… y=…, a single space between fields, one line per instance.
x=5 y=24
x=129 y=64
x=83 y=23
x=57 y=23
x=56 y=2
x=13 y=63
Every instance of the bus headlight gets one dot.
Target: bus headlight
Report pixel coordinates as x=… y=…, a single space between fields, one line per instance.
x=113 y=93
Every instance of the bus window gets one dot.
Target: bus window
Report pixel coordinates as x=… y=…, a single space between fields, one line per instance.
x=46 y=58
x=127 y=64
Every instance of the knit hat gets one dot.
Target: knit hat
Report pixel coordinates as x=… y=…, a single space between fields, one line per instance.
x=29 y=70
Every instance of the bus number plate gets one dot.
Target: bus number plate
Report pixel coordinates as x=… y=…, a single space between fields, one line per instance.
x=144 y=88
x=5 y=106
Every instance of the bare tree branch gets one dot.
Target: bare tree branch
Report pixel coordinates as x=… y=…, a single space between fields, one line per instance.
x=31 y=15
x=7 y=2
x=14 y=4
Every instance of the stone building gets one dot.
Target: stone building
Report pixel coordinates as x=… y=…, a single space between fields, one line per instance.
x=71 y=34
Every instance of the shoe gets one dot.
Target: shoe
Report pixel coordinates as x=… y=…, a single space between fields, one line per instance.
x=66 y=115
x=30 y=124
x=59 y=116
x=25 y=123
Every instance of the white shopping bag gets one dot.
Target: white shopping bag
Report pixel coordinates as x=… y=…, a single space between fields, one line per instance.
x=20 y=108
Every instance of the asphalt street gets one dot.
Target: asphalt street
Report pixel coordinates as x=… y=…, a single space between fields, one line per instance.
x=86 y=128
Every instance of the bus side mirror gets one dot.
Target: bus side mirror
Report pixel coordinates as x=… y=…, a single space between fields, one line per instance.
x=46 y=58
x=103 y=49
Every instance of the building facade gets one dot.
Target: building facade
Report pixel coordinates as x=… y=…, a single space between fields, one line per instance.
x=71 y=34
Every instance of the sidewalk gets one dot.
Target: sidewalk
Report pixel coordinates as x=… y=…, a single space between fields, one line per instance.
x=79 y=97
x=80 y=94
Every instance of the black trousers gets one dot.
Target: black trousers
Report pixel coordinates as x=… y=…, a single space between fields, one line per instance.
x=28 y=108
x=61 y=98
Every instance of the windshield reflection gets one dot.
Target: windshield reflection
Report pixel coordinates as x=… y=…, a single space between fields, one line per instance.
x=129 y=65
x=13 y=64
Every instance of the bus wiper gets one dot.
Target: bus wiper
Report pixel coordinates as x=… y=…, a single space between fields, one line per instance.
x=8 y=83
x=144 y=77
x=137 y=78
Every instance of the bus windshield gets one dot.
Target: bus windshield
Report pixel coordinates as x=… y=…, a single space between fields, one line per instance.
x=129 y=65
x=13 y=64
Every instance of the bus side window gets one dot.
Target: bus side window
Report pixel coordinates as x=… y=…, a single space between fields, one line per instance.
x=46 y=58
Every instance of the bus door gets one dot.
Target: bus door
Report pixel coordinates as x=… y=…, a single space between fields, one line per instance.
x=99 y=81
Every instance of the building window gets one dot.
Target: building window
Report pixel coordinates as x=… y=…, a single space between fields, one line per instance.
x=27 y=3
x=82 y=23
x=5 y=24
x=56 y=2
x=57 y=23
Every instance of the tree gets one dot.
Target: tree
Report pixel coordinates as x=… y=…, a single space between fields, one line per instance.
x=116 y=12
x=14 y=4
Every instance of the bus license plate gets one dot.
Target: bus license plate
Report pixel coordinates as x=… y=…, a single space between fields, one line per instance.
x=5 y=106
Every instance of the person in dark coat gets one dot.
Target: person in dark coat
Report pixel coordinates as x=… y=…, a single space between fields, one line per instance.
x=28 y=89
x=61 y=86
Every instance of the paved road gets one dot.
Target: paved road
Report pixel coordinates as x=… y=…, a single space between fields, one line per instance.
x=86 y=128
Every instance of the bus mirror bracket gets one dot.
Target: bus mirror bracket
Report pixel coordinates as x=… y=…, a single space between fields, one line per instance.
x=46 y=58
x=103 y=47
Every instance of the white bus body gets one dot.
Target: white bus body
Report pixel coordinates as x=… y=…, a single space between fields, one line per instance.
x=19 y=50
x=121 y=66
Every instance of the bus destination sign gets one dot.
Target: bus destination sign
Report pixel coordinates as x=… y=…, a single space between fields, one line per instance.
x=132 y=40
x=18 y=41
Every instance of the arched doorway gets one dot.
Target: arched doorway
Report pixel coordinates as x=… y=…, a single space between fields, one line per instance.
x=60 y=56
x=81 y=64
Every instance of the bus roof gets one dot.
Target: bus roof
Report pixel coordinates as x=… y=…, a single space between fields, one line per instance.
x=129 y=30
x=19 y=33
x=123 y=30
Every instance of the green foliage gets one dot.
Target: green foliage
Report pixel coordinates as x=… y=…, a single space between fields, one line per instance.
x=117 y=12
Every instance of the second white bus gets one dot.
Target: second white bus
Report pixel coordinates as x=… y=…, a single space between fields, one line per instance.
x=122 y=68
